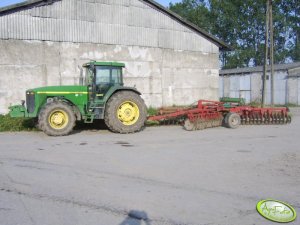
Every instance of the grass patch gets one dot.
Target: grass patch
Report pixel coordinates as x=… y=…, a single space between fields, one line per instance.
x=152 y=123
x=152 y=111
x=8 y=123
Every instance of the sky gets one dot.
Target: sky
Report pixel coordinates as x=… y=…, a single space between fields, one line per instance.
x=9 y=2
x=166 y=2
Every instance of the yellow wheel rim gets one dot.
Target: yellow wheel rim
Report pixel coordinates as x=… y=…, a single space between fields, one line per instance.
x=58 y=119
x=128 y=113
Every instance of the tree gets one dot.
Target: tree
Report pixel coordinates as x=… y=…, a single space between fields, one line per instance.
x=241 y=24
x=291 y=13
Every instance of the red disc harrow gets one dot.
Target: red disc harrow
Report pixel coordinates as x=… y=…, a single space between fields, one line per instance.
x=208 y=114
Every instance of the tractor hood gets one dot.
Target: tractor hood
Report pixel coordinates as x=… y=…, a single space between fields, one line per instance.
x=57 y=90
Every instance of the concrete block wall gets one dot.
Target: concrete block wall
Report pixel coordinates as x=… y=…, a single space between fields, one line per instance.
x=164 y=76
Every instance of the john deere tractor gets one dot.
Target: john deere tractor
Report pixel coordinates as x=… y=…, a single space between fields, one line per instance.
x=100 y=95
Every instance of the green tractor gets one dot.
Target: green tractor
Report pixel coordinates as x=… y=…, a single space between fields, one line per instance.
x=100 y=95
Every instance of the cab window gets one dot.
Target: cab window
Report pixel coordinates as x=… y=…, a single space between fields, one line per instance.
x=108 y=75
x=116 y=75
x=88 y=75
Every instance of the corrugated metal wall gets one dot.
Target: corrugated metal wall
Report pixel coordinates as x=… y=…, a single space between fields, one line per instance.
x=221 y=86
x=240 y=87
x=298 y=91
x=245 y=88
x=123 y=22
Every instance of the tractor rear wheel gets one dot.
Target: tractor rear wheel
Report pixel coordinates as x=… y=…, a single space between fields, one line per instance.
x=56 y=119
x=232 y=120
x=125 y=112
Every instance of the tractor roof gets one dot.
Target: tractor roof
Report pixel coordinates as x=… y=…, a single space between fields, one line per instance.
x=117 y=64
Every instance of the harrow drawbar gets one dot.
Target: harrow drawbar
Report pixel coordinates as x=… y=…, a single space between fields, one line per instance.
x=207 y=114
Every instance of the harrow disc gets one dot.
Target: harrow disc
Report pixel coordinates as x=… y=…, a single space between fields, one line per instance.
x=201 y=124
x=266 y=118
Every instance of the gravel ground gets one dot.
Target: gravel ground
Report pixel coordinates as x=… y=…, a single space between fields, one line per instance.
x=162 y=175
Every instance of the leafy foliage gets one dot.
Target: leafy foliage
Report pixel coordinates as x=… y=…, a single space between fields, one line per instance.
x=152 y=111
x=241 y=24
x=16 y=124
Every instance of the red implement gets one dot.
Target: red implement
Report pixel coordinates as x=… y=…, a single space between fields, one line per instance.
x=212 y=114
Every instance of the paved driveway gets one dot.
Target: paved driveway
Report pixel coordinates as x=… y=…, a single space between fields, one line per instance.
x=163 y=175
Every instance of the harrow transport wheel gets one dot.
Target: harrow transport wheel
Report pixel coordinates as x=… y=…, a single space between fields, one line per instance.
x=56 y=119
x=289 y=119
x=232 y=120
x=188 y=125
x=125 y=112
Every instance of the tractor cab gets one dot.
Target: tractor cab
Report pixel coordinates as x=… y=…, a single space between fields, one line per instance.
x=100 y=77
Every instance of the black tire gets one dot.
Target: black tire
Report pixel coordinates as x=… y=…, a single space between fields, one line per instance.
x=188 y=125
x=114 y=105
x=49 y=112
x=232 y=120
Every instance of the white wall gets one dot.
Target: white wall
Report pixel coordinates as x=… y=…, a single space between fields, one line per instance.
x=165 y=77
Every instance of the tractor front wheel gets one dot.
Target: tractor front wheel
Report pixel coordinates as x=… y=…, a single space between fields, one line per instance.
x=56 y=119
x=125 y=112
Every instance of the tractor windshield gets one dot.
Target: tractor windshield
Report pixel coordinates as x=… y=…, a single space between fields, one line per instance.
x=108 y=75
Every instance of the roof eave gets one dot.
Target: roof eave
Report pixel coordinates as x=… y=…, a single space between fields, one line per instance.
x=258 y=69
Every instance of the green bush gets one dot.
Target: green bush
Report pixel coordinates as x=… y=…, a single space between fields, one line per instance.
x=254 y=104
x=290 y=105
x=8 y=123
x=152 y=111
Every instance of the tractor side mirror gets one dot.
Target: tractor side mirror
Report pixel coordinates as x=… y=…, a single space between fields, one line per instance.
x=92 y=66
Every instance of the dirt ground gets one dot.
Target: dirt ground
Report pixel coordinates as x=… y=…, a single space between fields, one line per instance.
x=162 y=175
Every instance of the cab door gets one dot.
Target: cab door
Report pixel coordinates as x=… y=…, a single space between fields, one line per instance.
x=106 y=78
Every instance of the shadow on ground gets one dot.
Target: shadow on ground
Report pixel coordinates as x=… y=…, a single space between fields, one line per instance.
x=136 y=217
x=95 y=126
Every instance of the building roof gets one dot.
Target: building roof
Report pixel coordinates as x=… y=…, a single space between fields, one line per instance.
x=240 y=71
x=33 y=3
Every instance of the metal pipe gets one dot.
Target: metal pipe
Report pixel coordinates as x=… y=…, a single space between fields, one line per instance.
x=266 y=56
x=271 y=50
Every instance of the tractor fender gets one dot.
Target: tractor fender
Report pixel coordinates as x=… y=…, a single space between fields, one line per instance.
x=62 y=99
x=113 y=91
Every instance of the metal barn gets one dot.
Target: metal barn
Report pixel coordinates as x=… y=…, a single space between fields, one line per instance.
x=42 y=42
